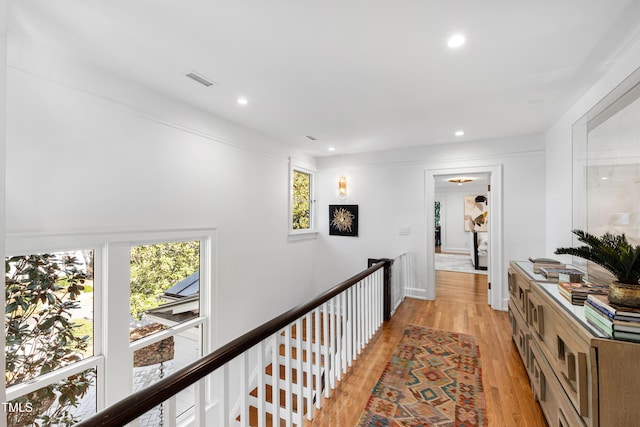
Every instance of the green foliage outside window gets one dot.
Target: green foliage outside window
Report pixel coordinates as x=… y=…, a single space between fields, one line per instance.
x=301 y=200
x=436 y=212
x=41 y=292
x=156 y=268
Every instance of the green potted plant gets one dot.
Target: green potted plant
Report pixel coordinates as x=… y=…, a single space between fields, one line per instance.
x=615 y=254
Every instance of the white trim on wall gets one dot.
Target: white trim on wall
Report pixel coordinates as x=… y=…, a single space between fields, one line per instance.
x=495 y=271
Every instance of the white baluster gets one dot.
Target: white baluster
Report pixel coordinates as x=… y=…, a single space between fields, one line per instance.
x=309 y=364
x=287 y=376
x=317 y=364
x=361 y=312
x=350 y=326
x=343 y=332
x=170 y=414
x=223 y=396
x=262 y=392
x=377 y=305
x=332 y=340
x=369 y=310
x=299 y=374
x=275 y=381
x=244 y=390
x=325 y=352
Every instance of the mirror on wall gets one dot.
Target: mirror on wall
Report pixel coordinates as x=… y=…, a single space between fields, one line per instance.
x=606 y=151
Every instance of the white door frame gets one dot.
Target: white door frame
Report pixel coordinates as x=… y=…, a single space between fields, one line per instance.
x=495 y=256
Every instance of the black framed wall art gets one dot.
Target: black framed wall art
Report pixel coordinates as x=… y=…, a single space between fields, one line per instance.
x=343 y=220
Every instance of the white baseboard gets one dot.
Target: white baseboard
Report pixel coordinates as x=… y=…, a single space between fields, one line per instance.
x=415 y=293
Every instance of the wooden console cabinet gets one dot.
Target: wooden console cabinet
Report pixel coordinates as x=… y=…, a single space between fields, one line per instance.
x=579 y=376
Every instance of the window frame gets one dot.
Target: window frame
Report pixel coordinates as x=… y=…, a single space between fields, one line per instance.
x=111 y=269
x=297 y=166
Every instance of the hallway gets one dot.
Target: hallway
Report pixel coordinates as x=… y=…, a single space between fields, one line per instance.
x=460 y=306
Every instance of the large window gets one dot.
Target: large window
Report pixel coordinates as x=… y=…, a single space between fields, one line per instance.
x=302 y=199
x=165 y=293
x=49 y=330
x=75 y=318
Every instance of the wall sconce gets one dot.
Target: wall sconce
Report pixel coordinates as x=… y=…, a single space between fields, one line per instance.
x=342 y=186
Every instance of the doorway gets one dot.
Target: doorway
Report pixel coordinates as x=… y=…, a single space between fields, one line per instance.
x=493 y=176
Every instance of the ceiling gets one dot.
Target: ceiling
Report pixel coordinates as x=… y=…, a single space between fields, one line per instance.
x=355 y=75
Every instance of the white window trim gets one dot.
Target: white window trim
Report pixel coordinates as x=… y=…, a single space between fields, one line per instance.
x=106 y=244
x=312 y=231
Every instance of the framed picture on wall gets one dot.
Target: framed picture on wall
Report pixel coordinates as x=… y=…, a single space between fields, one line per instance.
x=343 y=220
x=475 y=213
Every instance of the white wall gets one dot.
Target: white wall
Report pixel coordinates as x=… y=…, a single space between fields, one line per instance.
x=559 y=150
x=454 y=236
x=389 y=188
x=87 y=151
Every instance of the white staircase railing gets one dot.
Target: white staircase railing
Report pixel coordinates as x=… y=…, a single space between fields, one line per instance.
x=311 y=355
x=282 y=371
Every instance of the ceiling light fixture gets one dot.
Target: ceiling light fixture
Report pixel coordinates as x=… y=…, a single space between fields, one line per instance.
x=456 y=40
x=332 y=148
x=460 y=181
x=243 y=101
x=459 y=133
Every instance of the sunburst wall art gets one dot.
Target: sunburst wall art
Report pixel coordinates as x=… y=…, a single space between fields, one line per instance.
x=343 y=220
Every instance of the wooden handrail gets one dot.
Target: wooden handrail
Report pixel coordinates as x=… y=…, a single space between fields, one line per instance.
x=140 y=402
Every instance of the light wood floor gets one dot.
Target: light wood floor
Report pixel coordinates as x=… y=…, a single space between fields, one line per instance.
x=460 y=306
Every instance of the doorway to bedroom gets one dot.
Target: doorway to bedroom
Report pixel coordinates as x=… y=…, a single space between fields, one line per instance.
x=461 y=222
x=470 y=219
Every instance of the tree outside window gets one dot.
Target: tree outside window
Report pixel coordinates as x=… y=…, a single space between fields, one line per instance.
x=301 y=200
x=48 y=325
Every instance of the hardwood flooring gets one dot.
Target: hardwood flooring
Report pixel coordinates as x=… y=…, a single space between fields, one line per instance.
x=460 y=306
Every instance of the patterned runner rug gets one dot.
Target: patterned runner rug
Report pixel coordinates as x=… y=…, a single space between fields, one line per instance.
x=433 y=379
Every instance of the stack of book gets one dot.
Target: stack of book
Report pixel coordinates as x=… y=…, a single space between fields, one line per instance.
x=576 y=292
x=563 y=274
x=539 y=263
x=615 y=321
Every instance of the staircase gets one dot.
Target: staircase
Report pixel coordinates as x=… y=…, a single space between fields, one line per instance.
x=297 y=394
x=280 y=372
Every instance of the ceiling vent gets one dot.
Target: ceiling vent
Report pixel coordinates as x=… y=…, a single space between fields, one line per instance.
x=203 y=81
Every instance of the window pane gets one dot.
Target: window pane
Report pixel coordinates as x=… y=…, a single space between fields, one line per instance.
x=60 y=404
x=48 y=313
x=165 y=283
x=301 y=200
x=156 y=361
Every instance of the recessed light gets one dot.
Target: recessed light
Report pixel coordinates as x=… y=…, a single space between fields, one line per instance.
x=459 y=133
x=456 y=40
x=604 y=178
x=332 y=148
x=243 y=101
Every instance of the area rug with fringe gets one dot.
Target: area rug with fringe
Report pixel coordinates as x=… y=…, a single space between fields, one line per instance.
x=434 y=378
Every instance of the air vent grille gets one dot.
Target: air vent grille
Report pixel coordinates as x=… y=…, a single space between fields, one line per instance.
x=203 y=81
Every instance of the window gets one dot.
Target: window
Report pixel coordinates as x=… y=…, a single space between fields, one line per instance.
x=49 y=331
x=165 y=293
x=302 y=195
x=152 y=292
